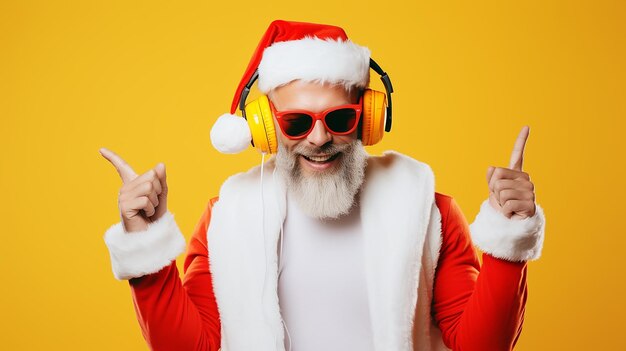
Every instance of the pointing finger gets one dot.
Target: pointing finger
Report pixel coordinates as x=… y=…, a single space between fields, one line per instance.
x=517 y=156
x=125 y=171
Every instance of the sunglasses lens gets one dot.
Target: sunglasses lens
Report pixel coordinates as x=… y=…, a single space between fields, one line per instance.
x=296 y=124
x=342 y=120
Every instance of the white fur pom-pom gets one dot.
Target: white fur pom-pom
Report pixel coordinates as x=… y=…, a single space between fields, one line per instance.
x=230 y=134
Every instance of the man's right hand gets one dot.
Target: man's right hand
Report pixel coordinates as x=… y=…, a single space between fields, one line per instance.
x=142 y=199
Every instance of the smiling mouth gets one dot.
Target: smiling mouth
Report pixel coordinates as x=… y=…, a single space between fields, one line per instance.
x=321 y=159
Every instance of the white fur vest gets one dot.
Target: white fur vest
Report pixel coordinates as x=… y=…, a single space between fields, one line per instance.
x=402 y=236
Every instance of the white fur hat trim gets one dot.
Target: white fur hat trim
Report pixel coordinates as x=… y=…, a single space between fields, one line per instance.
x=314 y=59
x=230 y=134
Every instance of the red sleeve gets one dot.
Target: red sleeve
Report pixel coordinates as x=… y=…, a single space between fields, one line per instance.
x=175 y=314
x=475 y=308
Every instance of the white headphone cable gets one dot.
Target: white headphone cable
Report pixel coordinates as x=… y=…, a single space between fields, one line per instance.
x=280 y=257
x=264 y=245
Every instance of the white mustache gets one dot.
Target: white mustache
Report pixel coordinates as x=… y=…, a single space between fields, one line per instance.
x=328 y=149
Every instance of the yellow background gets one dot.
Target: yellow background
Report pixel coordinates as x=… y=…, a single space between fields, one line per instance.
x=147 y=80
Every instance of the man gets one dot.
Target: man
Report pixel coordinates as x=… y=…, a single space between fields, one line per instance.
x=324 y=247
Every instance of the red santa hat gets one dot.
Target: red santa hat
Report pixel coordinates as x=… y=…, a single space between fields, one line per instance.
x=289 y=51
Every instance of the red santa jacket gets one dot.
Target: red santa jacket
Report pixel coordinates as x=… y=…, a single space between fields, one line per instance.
x=473 y=307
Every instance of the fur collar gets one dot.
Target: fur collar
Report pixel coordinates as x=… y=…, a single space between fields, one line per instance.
x=402 y=233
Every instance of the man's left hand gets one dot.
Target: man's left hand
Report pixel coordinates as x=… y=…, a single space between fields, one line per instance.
x=510 y=190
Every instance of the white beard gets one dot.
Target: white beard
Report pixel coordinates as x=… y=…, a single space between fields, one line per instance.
x=328 y=194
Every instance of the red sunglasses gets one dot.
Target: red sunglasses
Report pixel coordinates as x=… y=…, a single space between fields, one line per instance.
x=339 y=120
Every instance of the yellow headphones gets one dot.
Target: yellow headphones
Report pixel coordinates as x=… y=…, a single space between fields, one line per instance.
x=375 y=118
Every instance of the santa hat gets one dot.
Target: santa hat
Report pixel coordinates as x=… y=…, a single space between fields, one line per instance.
x=289 y=51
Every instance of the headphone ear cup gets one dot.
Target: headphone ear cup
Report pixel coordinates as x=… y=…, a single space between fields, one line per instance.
x=261 y=123
x=374 y=114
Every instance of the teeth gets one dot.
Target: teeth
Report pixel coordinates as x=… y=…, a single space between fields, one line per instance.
x=319 y=158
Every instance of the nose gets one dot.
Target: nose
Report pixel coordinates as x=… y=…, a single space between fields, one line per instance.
x=319 y=135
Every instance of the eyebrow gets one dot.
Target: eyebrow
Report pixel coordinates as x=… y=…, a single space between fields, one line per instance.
x=288 y=107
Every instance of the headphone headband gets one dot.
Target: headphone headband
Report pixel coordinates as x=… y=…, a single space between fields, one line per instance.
x=384 y=77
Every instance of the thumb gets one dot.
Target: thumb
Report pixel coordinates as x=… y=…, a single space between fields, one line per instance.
x=162 y=207
x=160 y=171
x=490 y=173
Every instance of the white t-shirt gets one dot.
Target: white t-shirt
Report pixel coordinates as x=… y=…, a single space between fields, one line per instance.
x=322 y=288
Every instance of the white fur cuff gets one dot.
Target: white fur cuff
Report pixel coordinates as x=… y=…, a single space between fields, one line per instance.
x=506 y=238
x=140 y=253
